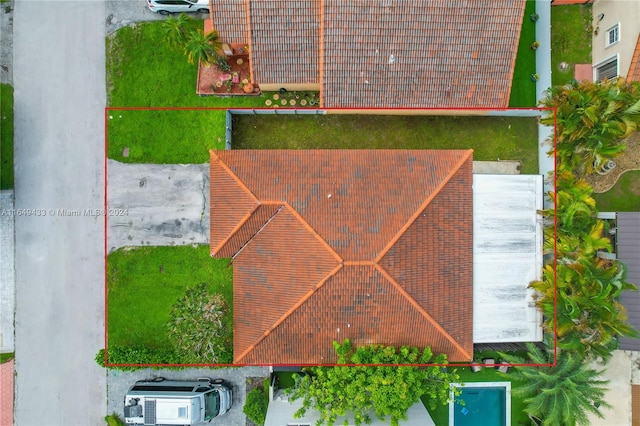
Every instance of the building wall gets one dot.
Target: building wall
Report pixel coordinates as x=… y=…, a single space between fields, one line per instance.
x=274 y=87
x=625 y=12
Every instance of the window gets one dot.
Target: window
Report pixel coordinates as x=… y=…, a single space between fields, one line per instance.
x=607 y=69
x=613 y=35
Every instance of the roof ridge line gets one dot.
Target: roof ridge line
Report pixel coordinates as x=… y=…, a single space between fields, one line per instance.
x=434 y=194
x=313 y=231
x=292 y=309
x=259 y=230
x=233 y=175
x=422 y=311
x=234 y=230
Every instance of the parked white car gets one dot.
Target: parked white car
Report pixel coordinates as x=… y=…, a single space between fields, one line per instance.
x=166 y=7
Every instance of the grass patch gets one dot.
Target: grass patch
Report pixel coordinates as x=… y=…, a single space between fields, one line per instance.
x=6 y=137
x=285 y=379
x=440 y=415
x=143 y=71
x=165 y=136
x=491 y=138
x=6 y=357
x=144 y=283
x=570 y=40
x=523 y=90
x=623 y=197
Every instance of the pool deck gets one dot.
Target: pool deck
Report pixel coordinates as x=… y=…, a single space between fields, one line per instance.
x=622 y=371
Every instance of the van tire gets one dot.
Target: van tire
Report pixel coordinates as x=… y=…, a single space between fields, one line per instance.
x=203 y=10
x=164 y=12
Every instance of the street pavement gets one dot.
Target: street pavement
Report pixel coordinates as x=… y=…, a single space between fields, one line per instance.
x=59 y=80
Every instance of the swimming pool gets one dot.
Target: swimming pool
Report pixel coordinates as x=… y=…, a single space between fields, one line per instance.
x=486 y=404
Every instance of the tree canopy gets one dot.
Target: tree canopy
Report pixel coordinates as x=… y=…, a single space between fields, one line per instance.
x=387 y=391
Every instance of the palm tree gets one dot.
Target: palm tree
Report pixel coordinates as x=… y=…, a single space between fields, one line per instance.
x=592 y=119
x=561 y=395
x=201 y=47
x=175 y=29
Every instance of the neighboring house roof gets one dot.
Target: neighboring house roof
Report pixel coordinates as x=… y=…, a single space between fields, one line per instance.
x=230 y=20
x=634 y=68
x=383 y=53
x=371 y=245
x=284 y=40
x=403 y=53
x=628 y=247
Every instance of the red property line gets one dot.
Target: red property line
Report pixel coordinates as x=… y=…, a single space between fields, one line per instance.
x=106 y=113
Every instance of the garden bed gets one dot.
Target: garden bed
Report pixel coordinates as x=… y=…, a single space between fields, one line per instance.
x=235 y=82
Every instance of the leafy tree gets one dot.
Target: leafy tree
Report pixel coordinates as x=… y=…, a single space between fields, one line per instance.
x=175 y=30
x=592 y=118
x=201 y=47
x=388 y=391
x=563 y=394
x=257 y=404
x=198 y=327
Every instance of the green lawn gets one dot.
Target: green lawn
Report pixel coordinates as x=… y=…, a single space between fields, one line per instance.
x=490 y=137
x=6 y=136
x=623 y=197
x=440 y=415
x=144 y=283
x=523 y=90
x=165 y=136
x=570 y=40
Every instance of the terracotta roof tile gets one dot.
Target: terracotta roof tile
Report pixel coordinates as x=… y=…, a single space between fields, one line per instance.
x=284 y=40
x=437 y=53
x=230 y=21
x=634 y=68
x=364 y=307
x=346 y=224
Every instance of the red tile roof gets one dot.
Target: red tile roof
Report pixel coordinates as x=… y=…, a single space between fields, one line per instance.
x=284 y=40
x=634 y=68
x=403 y=53
x=230 y=21
x=375 y=246
x=383 y=53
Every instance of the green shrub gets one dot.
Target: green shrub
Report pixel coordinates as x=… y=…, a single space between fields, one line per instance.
x=114 y=420
x=198 y=326
x=256 y=405
x=129 y=355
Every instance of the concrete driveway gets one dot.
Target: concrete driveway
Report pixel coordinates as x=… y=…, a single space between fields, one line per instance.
x=59 y=80
x=157 y=205
x=120 y=381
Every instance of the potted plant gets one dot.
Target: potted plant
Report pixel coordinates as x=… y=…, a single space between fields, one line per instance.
x=535 y=45
x=535 y=77
x=534 y=17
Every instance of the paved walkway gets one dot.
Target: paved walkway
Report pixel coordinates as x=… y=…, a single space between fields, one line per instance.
x=157 y=205
x=6 y=394
x=7 y=274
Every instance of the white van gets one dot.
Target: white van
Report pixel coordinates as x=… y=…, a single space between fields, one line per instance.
x=170 y=402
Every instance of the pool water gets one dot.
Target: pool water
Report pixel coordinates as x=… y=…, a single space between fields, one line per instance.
x=483 y=407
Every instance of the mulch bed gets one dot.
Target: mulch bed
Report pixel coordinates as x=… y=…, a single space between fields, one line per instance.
x=251 y=384
x=209 y=78
x=628 y=160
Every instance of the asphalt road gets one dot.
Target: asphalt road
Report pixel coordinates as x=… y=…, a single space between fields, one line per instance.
x=59 y=78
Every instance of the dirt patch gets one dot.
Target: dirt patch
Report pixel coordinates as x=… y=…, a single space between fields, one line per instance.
x=250 y=384
x=628 y=160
